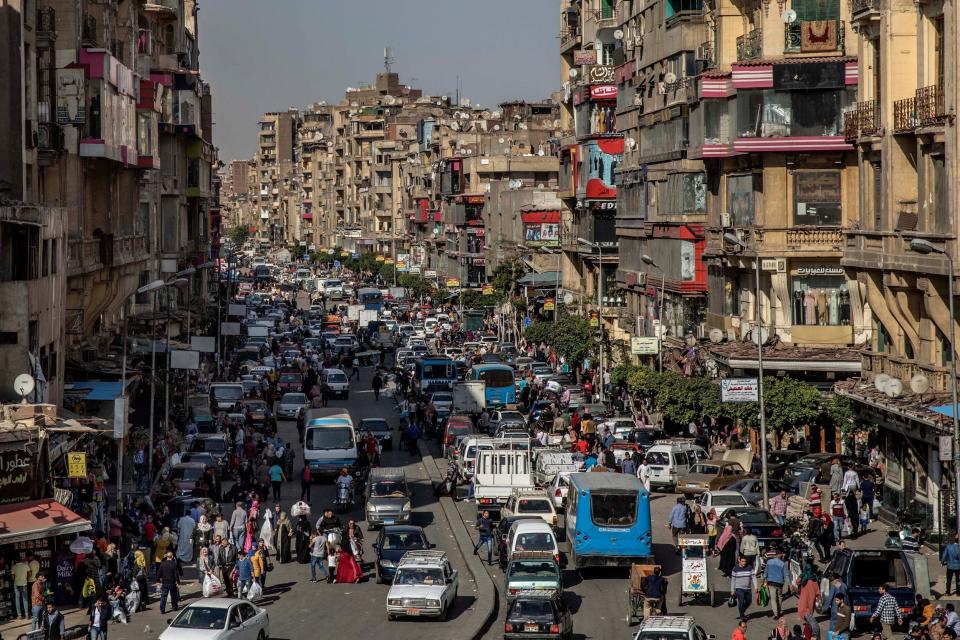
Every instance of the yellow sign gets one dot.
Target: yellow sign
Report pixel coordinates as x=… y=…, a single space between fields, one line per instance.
x=380 y=258
x=77 y=464
x=388 y=261
x=344 y=254
x=594 y=321
x=549 y=304
x=453 y=282
x=488 y=289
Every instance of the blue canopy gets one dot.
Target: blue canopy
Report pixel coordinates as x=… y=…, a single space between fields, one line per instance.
x=98 y=390
x=944 y=410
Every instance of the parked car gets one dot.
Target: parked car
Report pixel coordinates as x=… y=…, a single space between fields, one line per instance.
x=390 y=545
x=762 y=524
x=752 y=489
x=721 y=501
x=709 y=475
x=863 y=570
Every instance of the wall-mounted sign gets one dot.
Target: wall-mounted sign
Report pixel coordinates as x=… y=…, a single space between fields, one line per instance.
x=429 y=273
x=820 y=270
x=585 y=56
x=453 y=283
x=600 y=74
x=184 y=359
x=16 y=476
x=76 y=464
x=739 y=390
x=645 y=345
x=603 y=92
x=488 y=289
x=549 y=304
x=71 y=96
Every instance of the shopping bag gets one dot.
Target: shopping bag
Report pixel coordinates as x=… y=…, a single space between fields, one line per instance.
x=763 y=596
x=255 y=592
x=89 y=588
x=211 y=586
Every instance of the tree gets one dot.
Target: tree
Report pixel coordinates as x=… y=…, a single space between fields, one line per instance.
x=789 y=404
x=238 y=235
x=539 y=332
x=572 y=338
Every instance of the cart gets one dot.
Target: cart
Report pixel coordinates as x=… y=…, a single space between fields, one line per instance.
x=695 y=576
x=635 y=593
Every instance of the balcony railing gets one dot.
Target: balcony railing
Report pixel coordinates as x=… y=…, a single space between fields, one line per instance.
x=861 y=6
x=46 y=20
x=805 y=238
x=569 y=37
x=930 y=109
x=793 y=39
x=88 y=32
x=707 y=55
x=750 y=45
x=862 y=120
x=905 y=115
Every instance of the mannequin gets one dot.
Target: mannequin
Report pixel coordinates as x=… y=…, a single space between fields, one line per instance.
x=798 y=306
x=810 y=307
x=834 y=306
x=821 y=306
x=844 y=306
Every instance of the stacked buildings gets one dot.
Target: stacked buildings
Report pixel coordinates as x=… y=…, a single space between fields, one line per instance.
x=106 y=178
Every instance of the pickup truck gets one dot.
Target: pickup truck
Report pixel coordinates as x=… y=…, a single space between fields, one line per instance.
x=863 y=570
x=501 y=470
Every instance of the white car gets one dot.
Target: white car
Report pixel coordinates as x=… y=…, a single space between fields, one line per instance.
x=721 y=501
x=425 y=585
x=533 y=502
x=442 y=402
x=337 y=382
x=559 y=489
x=219 y=619
x=290 y=404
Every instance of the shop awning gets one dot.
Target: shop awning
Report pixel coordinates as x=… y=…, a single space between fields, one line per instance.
x=944 y=410
x=539 y=279
x=95 y=389
x=38 y=519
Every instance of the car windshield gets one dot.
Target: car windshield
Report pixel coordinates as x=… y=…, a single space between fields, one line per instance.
x=727 y=501
x=441 y=397
x=187 y=474
x=496 y=378
x=459 y=429
x=535 y=610
x=511 y=416
x=293 y=398
x=613 y=509
x=534 y=542
x=781 y=457
x=375 y=425
x=201 y=618
x=534 y=569
x=662 y=635
x=387 y=488
x=706 y=469
x=291 y=377
x=419 y=575
x=658 y=457
x=755 y=517
x=337 y=377
x=228 y=393
x=404 y=541
x=533 y=506
x=210 y=444
x=872 y=569
x=326 y=438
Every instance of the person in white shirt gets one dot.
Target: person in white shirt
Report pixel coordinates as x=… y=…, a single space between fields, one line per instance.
x=643 y=474
x=851 y=481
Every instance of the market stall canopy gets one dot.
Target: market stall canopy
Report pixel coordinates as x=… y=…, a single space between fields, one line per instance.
x=36 y=519
x=95 y=389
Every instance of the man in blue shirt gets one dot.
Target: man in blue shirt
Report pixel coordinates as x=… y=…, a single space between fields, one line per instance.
x=775 y=574
x=837 y=589
x=677 y=521
x=950 y=558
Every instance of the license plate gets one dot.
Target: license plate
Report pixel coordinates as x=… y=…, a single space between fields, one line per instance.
x=390 y=521
x=413 y=612
x=531 y=627
x=691 y=485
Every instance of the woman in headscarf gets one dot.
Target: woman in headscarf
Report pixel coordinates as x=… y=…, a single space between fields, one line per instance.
x=266 y=531
x=302 y=531
x=204 y=535
x=204 y=564
x=284 y=538
x=249 y=540
x=160 y=547
x=348 y=571
x=140 y=575
x=727 y=547
x=185 y=528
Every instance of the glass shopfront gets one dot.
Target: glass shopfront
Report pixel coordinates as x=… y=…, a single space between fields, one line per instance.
x=821 y=296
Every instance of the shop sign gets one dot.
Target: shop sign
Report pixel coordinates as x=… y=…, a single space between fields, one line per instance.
x=946 y=448
x=474 y=199
x=76 y=464
x=452 y=283
x=645 y=345
x=549 y=304
x=429 y=273
x=16 y=476
x=585 y=56
x=414 y=269
x=388 y=261
x=488 y=289
x=739 y=390
x=379 y=258
x=603 y=92
x=600 y=74
x=600 y=205
x=820 y=270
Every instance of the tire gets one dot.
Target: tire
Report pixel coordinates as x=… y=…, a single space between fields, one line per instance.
x=346 y=394
x=391 y=617
x=261 y=635
x=444 y=613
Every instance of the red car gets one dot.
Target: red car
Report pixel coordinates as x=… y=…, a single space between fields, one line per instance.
x=290 y=380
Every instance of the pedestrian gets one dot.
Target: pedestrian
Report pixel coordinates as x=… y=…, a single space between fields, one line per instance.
x=743 y=581
x=485 y=528
x=852 y=506
x=21 y=593
x=221 y=528
x=713 y=521
x=377 y=383
x=887 y=612
x=318 y=556
x=277 y=478
x=867 y=493
x=727 y=547
x=99 y=618
x=778 y=507
x=238 y=525
x=355 y=368
x=244 y=574
x=844 y=615
x=775 y=576
x=836 y=476
x=837 y=588
x=677 y=521
x=837 y=513
x=38 y=600
x=654 y=589
x=950 y=558
x=168 y=579
x=225 y=559
x=52 y=623
x=740 y=633
x=807 y=604
x=643 y=474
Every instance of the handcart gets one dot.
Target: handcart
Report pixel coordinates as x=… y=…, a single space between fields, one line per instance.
x=635 y=597
x=695 y=580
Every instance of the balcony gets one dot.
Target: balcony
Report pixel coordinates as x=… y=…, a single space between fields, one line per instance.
x=127 y=249
x=833 y=40
x=47 y=24
x=874 y=363
x=605 y=17
x=929 y=103
x=750 y=45
x=862 y=120
x=88 y=32
x=83 y=256
x=162 y=8
x=905 y=115
x=569 y=38
x=49 y=136
x=707 y=54
x=858 y=7
x=812 y=239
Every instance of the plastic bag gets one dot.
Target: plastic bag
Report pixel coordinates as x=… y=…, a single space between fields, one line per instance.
x=211 y=586
x=763 y=596
x=89 y=588
x=255 y=592
x=300 y=509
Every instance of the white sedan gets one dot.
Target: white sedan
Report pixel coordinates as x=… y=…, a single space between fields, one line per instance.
x=721 y=501
x=219 y=619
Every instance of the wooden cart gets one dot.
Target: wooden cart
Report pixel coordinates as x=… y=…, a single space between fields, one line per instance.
x=635 y=593
x=695 y=578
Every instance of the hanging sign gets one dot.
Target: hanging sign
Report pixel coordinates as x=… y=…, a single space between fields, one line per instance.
x=76 y=464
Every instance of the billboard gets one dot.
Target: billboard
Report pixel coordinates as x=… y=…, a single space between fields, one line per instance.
x=598 y=166
x=739 y=390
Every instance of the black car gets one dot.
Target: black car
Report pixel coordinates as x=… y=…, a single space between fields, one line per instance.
x=500 y=536
x=538 y=614
x=394 y=541
x=762 y=524
x=779 y=460
x=380 y=429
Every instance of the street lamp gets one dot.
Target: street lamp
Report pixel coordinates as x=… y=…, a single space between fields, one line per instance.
x=147 y=288
x=595 y=245
x=663 y=284
x=925 y=247
x=732 y=239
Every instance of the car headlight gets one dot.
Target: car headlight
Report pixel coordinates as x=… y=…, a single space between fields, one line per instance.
x=372 y=508
x=407 y=506
x=394 y=602
x=386 y=563
x=433 y=603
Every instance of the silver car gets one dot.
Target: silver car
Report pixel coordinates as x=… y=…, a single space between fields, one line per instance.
x=388 y=498
x=290 y=405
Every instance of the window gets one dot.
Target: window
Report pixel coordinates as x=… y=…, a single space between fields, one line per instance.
x=816 y=197
x=820 y=299
x=613 y=509
x=766 y=113
x=45 y=259
x=686 y=193
x=740 y=199
x=54 y=256
x=941 y=218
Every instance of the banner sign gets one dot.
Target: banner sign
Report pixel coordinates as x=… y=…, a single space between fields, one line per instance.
x=76 y=464
x=645 y=345
x=16 y=476
x=739 y=390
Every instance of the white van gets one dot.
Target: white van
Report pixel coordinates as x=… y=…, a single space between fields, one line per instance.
x=671 y=458
x=329 y=441
x=467 y=454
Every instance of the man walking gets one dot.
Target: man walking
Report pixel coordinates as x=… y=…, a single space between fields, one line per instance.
x=775 y=574
x=238 y=523
x=168 y=578
x=305 y=483
x=887 y=612
x=52 y=623
x=740 y=633
x=377 y=384
x=778 y=507
x=950 y=558
x=38 y=600
x=99 y=617
x=225 y=557
x=485 y=527
x=277 y=478
x=21 y=573
x=677 y=522
x=842 y=619
x=742 y=582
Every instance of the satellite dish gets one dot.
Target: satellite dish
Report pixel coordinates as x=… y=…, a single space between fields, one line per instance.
x=573 y=73
x=390 y=100
x=496 y=127
x=631 y=143
x=759 y=337
x=670 y=78
x=568 y=298
x=919 y=383
x=716 y=335
x=24 y=384
x=894 y=388
x=789 y=16
x=618 y=34
x=881 y=381
x=455 y=126
x=502 y=140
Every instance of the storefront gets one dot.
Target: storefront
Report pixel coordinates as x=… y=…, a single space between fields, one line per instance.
x=820 y=295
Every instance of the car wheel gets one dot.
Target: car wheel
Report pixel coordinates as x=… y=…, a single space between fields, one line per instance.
x=346 y=394
x=391 y=617
x=444 y=611
x=261 y=635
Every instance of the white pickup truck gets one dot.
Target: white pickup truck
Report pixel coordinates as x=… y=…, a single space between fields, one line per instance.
x=501 y=470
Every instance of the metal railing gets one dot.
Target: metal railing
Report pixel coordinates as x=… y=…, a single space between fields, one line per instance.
x=707 y=55
x=863 y=119
x=861 y=6
x=46 y=20
x=905 y=115
x=930 y=109
x=48 y=136
x=792 y=38
x=750 y=45
x=88 y=32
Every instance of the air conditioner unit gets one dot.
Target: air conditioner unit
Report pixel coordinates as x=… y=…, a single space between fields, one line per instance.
x=638 y=100
x=701 y=54
x=725 y=219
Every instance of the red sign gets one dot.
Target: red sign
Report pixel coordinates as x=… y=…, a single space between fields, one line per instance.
x=603 y=92
x=585 y=56
x=474 y=199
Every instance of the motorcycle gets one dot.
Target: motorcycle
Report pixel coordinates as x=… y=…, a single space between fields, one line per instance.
x=344 y=497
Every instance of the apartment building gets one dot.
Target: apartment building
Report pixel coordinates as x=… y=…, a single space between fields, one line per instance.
x=276 y=162
x=900 y=250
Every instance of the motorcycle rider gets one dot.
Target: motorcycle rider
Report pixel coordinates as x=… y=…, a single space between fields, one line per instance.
x=329 y=522
x=344 y=487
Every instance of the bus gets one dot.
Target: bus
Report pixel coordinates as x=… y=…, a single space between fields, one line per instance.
x=608 y=521
x=473 y=319
x=370 y=298
x=329 y=441
x=501 y=384
x=434 y=374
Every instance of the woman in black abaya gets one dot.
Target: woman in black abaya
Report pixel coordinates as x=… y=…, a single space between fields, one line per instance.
x=302 y=532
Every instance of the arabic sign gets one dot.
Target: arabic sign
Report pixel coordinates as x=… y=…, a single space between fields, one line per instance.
x=603 y=92
x=600 y=74
x=77 y=464
x=549 y=304
x=16 y=476
x=71 y=96
x=488 y=289
x=585 y=56
x=739 y=390
x=645 y=345
x=453 y=282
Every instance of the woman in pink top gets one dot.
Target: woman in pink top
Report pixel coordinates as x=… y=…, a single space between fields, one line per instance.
x=807 y=605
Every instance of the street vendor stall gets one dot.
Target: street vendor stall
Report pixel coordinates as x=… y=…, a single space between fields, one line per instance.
x=694 y=576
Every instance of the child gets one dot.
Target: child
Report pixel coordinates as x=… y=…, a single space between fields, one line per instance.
x=864 y=518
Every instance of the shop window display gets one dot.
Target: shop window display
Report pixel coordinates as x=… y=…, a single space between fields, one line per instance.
x=822 y=300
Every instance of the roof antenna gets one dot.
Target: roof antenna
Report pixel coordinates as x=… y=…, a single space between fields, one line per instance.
x=387 y=59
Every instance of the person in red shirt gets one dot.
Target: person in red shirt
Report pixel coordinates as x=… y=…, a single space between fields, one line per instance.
x=582 y=446
x=740 y=633
x=575 y=421
x=149 y=529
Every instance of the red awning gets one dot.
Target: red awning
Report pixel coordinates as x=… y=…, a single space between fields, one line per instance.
x=38 y=519
x=536 y=217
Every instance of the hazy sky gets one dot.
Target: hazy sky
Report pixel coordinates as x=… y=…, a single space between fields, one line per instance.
x=267 y=55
